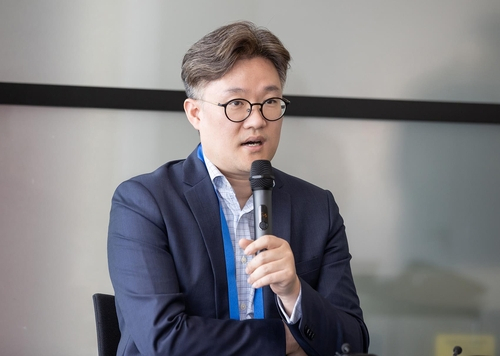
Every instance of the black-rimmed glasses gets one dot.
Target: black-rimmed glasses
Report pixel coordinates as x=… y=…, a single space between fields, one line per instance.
x=238 y=110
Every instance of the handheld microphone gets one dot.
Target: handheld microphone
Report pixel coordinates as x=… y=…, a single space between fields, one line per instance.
x=262 y=182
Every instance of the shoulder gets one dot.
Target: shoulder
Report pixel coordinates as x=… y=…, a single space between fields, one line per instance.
x=297 y=185
x=148 y=189
x=303 y=194
x=166 y=172
x=164 y=175
x=171 y=175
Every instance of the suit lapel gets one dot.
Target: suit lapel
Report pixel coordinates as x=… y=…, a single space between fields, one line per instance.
x=282 y=210
x=204 y=204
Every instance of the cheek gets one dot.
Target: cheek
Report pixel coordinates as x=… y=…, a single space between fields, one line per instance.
x=208 y=127
x=276 y=134
x=218 y=136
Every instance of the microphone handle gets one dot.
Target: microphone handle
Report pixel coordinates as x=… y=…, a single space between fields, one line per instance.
x=263 y=207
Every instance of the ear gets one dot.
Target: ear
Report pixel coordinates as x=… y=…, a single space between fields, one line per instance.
x=192 y=109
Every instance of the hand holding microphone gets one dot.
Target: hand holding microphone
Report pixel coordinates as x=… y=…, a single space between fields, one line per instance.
x=273 y=264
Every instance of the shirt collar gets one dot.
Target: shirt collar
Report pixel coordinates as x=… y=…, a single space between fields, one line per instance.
x=222 y=185
x=218 y=179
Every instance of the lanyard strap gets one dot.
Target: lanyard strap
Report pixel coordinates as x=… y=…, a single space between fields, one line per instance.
x=230 y=268
x=258 y=304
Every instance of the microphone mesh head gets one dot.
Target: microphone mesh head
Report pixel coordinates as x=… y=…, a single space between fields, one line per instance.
x=261 y=175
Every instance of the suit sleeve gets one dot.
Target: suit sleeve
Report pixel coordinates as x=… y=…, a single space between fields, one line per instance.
x=151 y=307
x=331 y=315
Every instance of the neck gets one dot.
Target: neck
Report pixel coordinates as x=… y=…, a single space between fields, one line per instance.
x=241 y=188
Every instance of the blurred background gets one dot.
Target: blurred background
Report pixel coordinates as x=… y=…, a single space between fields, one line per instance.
x=420 y=200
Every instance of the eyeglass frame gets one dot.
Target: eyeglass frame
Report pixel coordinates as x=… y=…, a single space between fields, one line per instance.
x=286 y=101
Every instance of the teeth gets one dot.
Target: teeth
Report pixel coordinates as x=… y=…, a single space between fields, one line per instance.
x=253 y=143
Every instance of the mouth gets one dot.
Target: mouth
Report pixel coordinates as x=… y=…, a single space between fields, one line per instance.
x=253 y=142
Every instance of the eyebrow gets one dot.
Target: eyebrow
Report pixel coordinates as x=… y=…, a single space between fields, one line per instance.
x=268 y=89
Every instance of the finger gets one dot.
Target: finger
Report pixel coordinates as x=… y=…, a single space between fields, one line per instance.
x=280 y=257
x=265 y=242
x=265 y=263
x=244 y=243
x=263 y=258
x=267 y=278
x=283 y=283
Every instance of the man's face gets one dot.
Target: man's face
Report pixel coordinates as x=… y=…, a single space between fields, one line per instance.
x=233 y=146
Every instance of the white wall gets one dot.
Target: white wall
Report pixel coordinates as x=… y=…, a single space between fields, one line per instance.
x=420 y=200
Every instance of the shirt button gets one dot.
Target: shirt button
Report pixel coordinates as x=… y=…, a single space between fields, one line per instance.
x=243 y=306
x=244 y=259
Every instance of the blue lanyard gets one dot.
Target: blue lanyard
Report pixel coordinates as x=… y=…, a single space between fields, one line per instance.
x=234 y=313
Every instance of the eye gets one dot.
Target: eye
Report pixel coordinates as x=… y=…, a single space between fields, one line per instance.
x=236 y=103
x=271 y=101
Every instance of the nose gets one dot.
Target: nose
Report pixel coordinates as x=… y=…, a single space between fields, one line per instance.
x=255 y=120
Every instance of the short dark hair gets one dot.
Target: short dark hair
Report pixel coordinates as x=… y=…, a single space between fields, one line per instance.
x=216 y=53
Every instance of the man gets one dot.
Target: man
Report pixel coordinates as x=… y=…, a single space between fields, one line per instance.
x=183 y=261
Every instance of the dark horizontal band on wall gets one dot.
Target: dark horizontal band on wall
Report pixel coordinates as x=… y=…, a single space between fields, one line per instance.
x=91 y=97
x=304 y=106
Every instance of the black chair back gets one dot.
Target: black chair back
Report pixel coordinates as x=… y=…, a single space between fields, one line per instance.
x=108 y=331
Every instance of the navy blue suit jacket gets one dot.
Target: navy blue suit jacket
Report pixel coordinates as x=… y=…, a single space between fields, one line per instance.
x=167 y=267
